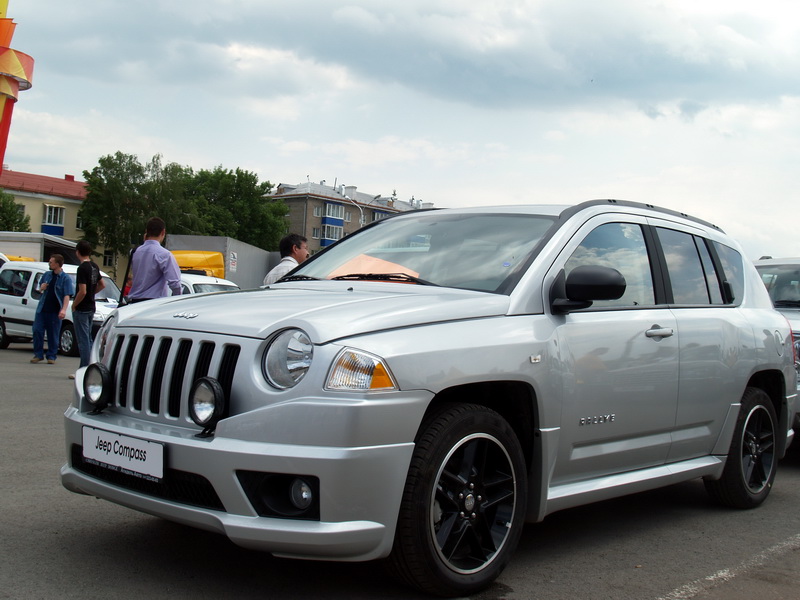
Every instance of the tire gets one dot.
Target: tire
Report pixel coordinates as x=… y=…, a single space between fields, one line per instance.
x=464 y=503
x=4 y=339
x=68 y=343
x=752 y=461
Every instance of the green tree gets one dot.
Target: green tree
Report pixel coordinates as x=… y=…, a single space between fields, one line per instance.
x=235 y=204
x=122 y=194
x=11 y=217
x=166 y=196
x=115 y=205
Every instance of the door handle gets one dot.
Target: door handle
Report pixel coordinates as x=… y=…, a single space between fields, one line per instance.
x=24 y=301
x=659 y=332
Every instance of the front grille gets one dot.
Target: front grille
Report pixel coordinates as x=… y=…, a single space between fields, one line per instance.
x=154 y=373
x=176 y=486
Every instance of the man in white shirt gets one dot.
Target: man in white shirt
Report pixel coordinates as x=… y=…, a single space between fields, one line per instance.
x=294 y=251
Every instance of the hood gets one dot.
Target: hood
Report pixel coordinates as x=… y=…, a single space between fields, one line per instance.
x=326 y=310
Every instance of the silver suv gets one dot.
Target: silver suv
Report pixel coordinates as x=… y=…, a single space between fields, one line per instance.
x=422 y=388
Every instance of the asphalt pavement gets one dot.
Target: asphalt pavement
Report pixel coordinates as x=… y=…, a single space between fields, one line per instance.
x=669 y=544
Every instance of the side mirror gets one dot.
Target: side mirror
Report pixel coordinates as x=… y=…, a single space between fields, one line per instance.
x=583 y=286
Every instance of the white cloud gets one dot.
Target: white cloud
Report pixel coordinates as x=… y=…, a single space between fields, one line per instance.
x=691 y=105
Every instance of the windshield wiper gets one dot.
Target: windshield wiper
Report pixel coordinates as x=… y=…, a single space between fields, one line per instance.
x=382 y=277
x=787 y=303
x=298 y=278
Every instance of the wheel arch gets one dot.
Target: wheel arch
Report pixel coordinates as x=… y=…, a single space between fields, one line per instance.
x=518 y=404
x=773 y=384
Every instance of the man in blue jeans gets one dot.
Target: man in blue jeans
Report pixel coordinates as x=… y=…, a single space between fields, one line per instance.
x=88 y=282
x=56 y=287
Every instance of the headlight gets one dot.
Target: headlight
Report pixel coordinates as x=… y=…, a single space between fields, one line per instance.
x=97 y=386
x=356 y=370
x=206 y=403
x=104 y=335
x=288 y=358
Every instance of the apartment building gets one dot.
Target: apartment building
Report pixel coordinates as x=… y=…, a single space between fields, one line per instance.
x=324 y=214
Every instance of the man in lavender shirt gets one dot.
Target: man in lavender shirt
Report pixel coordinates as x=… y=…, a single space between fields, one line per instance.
x=155 y=270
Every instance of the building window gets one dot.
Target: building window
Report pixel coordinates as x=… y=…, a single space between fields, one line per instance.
x=54 y=215
x=347 y=216
x=315 y=233
x=109 y=258
x=377 y=216
x=332 y=232
x=21 y=209
x=335 y=211
x=317 y=211
x=79 y=222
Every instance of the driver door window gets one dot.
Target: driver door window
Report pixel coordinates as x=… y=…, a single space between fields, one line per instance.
x=620 y=246
x=36 y=293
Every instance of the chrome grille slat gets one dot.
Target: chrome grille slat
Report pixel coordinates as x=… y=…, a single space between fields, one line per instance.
x=141 y=367
x=154 y=373
x=125 y=370
x=176 y=381
x=158 y=375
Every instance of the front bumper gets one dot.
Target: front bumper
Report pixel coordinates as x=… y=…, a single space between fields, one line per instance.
x=360 y=487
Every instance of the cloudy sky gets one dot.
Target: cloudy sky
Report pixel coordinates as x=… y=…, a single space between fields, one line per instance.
x=693 y=105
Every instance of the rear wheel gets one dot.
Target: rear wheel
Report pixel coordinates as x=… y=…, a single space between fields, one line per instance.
x=4 y=340
x=752 y=460
x=464 y=503
x=68 y=345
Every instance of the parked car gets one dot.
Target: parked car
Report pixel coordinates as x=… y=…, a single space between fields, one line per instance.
x=781 y=276
x=19 y=297
x=200 y=284
x=423 y=387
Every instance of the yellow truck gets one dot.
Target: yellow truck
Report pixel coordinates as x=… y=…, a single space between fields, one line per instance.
x=222 y=257
x=202 y=262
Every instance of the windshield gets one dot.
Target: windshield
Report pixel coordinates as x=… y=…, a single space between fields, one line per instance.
x=783 y=283
x=110 y=293
x=476 y=251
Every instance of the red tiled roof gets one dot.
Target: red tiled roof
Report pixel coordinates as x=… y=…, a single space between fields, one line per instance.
x=16 y=181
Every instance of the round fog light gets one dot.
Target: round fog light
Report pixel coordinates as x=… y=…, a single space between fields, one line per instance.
x=206 y=402
x=97 y=386
x=301 y=494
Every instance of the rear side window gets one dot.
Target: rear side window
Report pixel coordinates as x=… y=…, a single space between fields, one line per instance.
x=14 y=282
x=712 y=278
x=622 y=247
x=694 y=276
x=733 y=268
x=686 y=274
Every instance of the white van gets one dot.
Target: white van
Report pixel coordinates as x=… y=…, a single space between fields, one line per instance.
x=19 y=297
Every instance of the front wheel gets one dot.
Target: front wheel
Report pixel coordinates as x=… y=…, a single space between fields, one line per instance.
x=752 y=460
x=68 y=345
x=463 y=507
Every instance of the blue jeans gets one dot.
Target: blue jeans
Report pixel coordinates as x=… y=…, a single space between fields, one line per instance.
x=83 y=333
x=49 y=324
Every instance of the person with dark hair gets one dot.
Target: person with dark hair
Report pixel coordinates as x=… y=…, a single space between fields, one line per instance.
x=88 y=282
x=294 y=250
x=155 y=270
x=57 y=288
